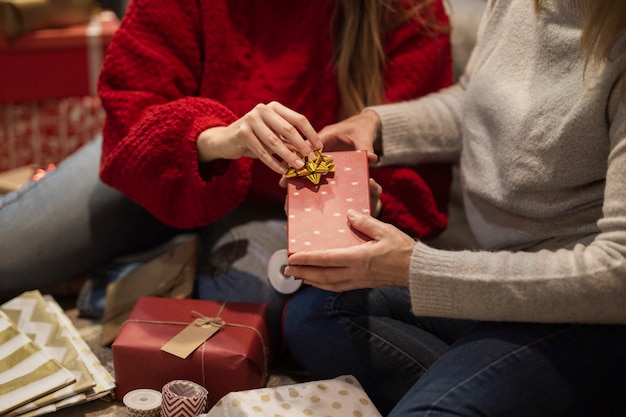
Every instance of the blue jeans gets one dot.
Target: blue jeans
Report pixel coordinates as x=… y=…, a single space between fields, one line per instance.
x=69 y=222
x=419 y=366
x=61 y=226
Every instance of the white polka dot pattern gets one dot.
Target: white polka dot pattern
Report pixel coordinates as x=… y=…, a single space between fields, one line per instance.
x=317 y=213
x=339 y=397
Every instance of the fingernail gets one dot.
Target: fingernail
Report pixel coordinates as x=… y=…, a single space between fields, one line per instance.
x=352 y=213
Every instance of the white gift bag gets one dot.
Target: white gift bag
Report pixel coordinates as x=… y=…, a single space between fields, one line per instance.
x=339 y=397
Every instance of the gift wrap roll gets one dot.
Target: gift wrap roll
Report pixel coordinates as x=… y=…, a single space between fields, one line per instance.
x=284 y=284
x=143 y=403
x=183 y=399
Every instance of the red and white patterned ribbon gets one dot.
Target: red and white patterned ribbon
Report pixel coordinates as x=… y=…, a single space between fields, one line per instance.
x=183 y=399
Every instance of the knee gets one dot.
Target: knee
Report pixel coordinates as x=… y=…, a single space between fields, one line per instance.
x=304 y=311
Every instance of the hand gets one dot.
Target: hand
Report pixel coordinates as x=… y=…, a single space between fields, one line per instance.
x=383 y=261
x=361 y=131
x=267 y=130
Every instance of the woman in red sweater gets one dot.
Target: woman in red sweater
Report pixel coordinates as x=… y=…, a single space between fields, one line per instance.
x=186 y=138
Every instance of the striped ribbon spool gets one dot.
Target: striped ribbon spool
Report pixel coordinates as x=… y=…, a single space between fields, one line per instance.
x=183 y=399
x=143 y=403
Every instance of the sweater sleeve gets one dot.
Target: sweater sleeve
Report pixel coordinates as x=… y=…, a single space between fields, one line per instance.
x=149 y=87
x=583 y=281
x=417 y=64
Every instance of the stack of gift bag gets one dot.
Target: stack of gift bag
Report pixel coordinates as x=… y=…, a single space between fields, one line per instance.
x=45 y=365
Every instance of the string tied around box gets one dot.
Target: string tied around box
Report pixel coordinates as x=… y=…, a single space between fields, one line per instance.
x=197 y=332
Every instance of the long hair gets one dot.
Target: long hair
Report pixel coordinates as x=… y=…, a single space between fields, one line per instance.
x=359 y=54
x=604 y=22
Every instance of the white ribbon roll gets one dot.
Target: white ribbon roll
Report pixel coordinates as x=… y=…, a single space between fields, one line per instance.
x=284 y=284
x=143 y=403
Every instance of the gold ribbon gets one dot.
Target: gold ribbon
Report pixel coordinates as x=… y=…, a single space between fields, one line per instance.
x=215 y=321
x=313 y=170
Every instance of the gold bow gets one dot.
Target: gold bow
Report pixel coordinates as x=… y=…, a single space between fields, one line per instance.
x=313 y=170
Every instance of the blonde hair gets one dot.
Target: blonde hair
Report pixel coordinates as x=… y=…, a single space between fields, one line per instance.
x=359 y=53
x=604 y=23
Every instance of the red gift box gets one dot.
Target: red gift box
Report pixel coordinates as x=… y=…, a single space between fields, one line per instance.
x=234 y=359
x=55 y=63
x=317 y=213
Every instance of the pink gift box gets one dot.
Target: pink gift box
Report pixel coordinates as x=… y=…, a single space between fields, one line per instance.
x=317 y=213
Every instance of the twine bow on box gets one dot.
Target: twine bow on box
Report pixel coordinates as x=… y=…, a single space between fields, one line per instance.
x=195 y=339
x=313 y=170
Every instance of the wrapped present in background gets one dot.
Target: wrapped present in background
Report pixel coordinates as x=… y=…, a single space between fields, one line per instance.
x=22 y=16
x=339 y=397
x=38 y=133
x=55 y=63
x=48 y=91
x=234 y=358
x=316 y=213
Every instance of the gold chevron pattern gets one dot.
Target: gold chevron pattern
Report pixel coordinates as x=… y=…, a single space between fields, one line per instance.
x=43 y=321
x=26 y=371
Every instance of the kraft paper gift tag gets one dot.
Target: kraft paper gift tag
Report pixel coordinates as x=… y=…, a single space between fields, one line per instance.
x=32 y=315
x=170 y=274
x=27 y=372
x=339 y=397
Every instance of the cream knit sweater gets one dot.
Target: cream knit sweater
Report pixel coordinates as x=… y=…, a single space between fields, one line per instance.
x=543 y=166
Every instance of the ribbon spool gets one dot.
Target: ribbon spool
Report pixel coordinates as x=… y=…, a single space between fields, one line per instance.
x=284 y=284
x=143 y=403
x=183 y=399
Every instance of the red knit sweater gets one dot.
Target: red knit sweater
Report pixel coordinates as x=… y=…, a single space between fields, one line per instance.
x=178 y=67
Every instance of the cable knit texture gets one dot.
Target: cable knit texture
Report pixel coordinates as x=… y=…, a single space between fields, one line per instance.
x=176 y=68
x=542 y=148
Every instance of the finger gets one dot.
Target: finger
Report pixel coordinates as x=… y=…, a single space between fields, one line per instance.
x=366 y=224
x=335 y=140
x=270 y=130
x=375 y=188
x=332 y=286
x=303 y=125
x=250 y=131
x=326 y=258
x=321 y=275
x=375 y=192
x=283 y=181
